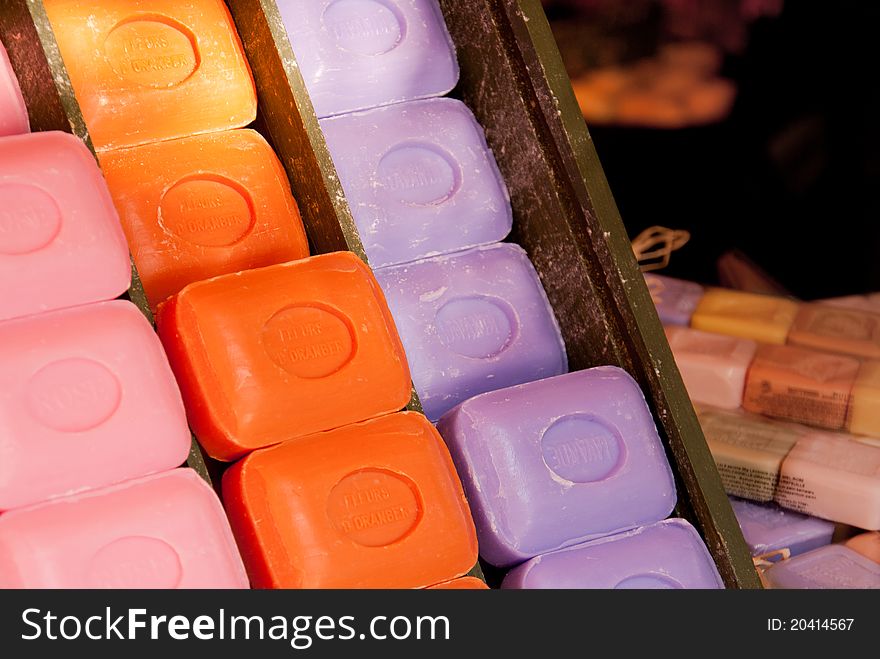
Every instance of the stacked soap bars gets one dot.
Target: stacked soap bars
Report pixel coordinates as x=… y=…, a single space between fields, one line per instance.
x=165 y=90
x=93 y=421
x=290 y=365
x=756 y=366
x=548 y=464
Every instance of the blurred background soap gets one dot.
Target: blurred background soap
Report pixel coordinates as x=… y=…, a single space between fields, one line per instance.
x=358 y=54
x=370 y=505
x=762 y=318
x=713 y=366
x=473 y=322
x=162 y=531
x=203 y=206
x=666 y=555
x=831 y=567
x=60 y=240
x=13 y=113
x=553 y=463
x=801 y=385
x=148 y=70
x=768 y=528
x=748 y=450
x=274 y=353
x=866 y=544
x=833 y=478
x=844 y=331
x=675 y=299
x=420 y=180
x=87 y=399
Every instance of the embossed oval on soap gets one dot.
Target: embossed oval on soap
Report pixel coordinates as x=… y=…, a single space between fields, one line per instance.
x=152 y=51
x=209 y=212
x=419 y=174
x=365 y=27
x=478 y=327
x=374 y=507
x=649 y=582
x=73 y=395
x=309 y=341
x=583 y=449
x=135 y=562
x=29 y=219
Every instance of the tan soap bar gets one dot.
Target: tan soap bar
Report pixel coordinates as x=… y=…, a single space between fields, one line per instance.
x=833 y=478
x=866 y=544
x=748 y=450
x=864 y=407
x=801 y=385
x=844 y=331
x=758 y=317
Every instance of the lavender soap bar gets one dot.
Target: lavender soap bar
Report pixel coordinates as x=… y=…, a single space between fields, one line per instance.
x=666 y=555
x=358 y=54
x=420 y=180
x=834 y=566
x=675 y=299
x=768 y=528
x=473 y=322
x=550 y=464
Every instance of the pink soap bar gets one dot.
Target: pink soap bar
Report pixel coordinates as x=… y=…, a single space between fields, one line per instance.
x=61 y=243
x=163 y=531
x=713 y=366
x=87 y=399
x=13 y=113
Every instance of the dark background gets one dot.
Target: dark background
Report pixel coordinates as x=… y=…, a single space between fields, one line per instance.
x=791 y=177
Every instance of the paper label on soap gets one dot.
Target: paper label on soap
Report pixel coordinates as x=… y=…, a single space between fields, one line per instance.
x=824 y=409
x=747 y=482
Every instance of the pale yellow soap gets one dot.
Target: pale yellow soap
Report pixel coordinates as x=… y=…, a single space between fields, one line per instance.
x=761 y=318
x=864 y=408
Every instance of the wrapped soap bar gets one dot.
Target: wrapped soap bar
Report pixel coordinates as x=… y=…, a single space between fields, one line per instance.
x=163 y=531
x=748 y=450
x=420 y=180
x=557 y=462
x=866 y=544
x=832 y=478
x=831 y=567
x=270 y=354
x=761 y=318
x=801 y=385
x=203 y=206
x=462 y=583
x=60 y=240
x=13 y=113
x=473 y=322
x=666 y=555
x=87 y=400
x=713 y=366
x=371 y=505
x=675 y=299
x=148 y=70
x=843 y=331
x=358 y=54
x=768 y=528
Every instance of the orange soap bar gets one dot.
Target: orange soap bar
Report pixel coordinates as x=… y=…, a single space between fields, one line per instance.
x=844 y=331
x=267 y=355
x=463 y=583
x=371 y=505
x=147 y=70
x=801 y=385
x=203 y=206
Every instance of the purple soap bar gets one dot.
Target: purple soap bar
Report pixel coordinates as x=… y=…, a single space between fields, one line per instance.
x=550 y=464
x=768 y=528
x=831 y=567
x=473 y=322
x=358 y=54
x=668 y=554
x=675 y=299
x=420 y=180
